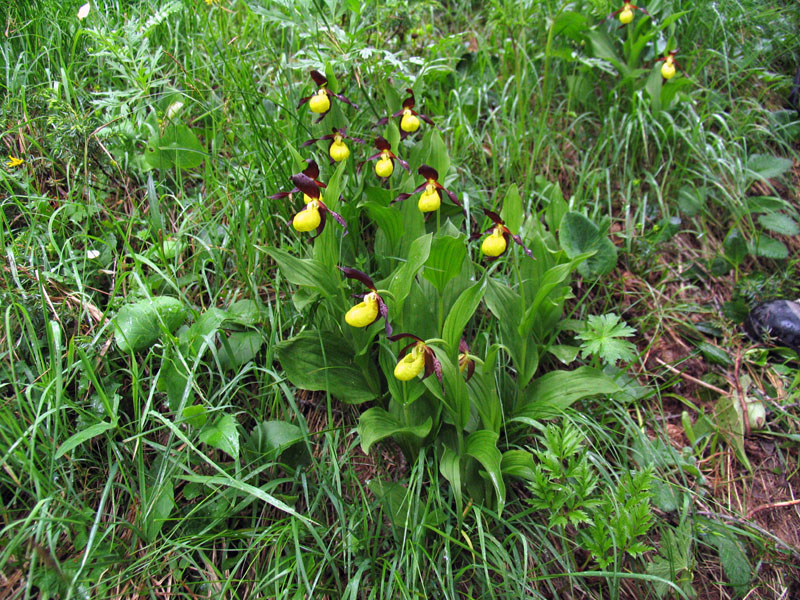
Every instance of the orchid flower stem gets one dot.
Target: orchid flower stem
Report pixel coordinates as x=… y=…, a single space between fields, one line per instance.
x=440 y=319
x=519 y=277
x=515 y=260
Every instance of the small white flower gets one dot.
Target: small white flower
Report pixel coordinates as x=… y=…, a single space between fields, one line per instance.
x=92 y=254
x=83 y=11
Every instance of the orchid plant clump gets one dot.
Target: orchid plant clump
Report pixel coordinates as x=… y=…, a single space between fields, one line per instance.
x=424 y=279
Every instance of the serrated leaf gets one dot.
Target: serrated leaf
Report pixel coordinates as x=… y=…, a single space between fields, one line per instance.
x=734 y=562
x=600 y=338
x=735 y=246
x=690 y=200
x=731 y=426
x=223 y=434
x=766 y=166
x=779 y=223
x=770 y=248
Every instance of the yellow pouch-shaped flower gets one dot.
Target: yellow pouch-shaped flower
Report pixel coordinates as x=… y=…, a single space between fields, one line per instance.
x=307 y=219
x=319 y=102
x=494 y=244
x=430 y=199
x=363 y=313
x=411 y=365
x=384 y=167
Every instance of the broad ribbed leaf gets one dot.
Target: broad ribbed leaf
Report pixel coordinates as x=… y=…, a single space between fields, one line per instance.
x=482 y=446
x=438 y=158
x=320 y=361
x=518 y=463
x=377 y=424
x=550 y=394
x=446 y=259
x=417 y=255
x=461 y=312
x=511 y=212
x=307 y=271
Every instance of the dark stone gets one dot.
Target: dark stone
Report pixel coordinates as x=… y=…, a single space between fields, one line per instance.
x=776 y=322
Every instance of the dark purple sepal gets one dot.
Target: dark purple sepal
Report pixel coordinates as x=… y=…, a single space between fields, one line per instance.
x=305 y=184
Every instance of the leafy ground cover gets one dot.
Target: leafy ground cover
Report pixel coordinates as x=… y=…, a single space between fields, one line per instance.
x=314 y=299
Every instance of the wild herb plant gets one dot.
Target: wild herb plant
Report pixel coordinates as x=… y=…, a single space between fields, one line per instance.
x=152 y=438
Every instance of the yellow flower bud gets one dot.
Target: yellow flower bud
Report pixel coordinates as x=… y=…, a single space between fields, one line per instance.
x=409 y=123
x=668 y=68
x=307 y=219
x=363 y=313
x=384 y=167
x=319 y=102
x=494 y=244
x=430 y=200
x=339 y=150
x=626 y=15
x=412 y=364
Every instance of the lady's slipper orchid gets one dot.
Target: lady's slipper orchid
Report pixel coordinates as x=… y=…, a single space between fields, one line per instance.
x=313 y=214
x=431 y=198
x=626 y=12
x=385 y=165
x=465 y=363
x=415 y=359
x=371 y=309
x=319 y=102
x=496 y=243
x=311 y=171
x=668 y=69
x=337 y=149
x=409 y=118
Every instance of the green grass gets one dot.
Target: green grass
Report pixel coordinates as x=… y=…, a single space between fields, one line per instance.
x=144 y=502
